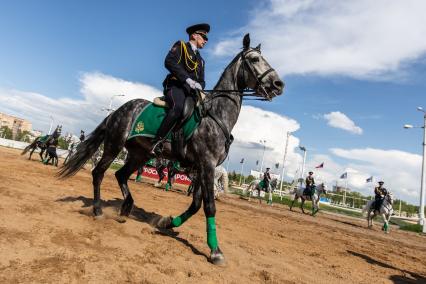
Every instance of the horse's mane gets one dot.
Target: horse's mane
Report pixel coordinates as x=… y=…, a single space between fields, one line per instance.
x=225 y=72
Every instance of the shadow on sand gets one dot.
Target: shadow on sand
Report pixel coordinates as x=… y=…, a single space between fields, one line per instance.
x=407 y=277
x=137 y=214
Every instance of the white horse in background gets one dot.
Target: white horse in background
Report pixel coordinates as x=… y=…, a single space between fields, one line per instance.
x=318 y=190
x=385 y=211
x=73 y=142
x=257 y=184
x=220 y=181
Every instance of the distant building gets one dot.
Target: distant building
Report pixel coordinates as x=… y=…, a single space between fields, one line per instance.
x=14 y=123
x=340 y=189
x=36 y=133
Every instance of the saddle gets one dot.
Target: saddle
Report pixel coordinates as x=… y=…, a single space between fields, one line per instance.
x=262 y=185
x=192 y=103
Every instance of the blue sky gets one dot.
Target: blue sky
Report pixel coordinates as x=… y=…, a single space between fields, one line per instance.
x=354 y=74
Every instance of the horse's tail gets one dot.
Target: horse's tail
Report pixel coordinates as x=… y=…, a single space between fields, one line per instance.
x=32 y=145
x=84 y=151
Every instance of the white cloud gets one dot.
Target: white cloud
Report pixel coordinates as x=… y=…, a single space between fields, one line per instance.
x=362 y=39
x=74 y=114
x=255 y=124
x=340 y=120
x=398 y=169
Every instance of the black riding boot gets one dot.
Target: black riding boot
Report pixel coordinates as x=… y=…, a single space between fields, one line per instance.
x=166 y=127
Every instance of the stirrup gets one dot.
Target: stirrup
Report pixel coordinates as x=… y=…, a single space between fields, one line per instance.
x=157 y=149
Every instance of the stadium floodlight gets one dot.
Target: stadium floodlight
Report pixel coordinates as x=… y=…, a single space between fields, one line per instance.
x=110 y=109
x=423 y=176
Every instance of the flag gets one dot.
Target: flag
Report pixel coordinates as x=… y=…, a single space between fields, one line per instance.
x=370 y=179
x=257 y=162
x=277 y=165
x=344 y=175
x=242 y=161
x=320 y=166
x=302 y=148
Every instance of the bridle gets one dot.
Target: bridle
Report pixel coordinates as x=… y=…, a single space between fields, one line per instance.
x=258 y=78
x=241 y=93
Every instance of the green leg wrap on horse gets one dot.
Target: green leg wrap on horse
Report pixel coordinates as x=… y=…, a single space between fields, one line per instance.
x=177 y=221
x=211 y=233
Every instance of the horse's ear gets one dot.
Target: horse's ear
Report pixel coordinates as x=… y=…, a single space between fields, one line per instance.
x=246 y=42
x=258 y=47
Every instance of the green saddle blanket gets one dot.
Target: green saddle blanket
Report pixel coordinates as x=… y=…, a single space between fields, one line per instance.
x=262 y=184
x=150 y=118
x=43 y=138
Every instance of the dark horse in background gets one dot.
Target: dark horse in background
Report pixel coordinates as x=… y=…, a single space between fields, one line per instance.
x=43 y=142
x=203 y=151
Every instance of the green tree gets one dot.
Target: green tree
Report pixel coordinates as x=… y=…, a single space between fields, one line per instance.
x=6 y=132
x=250 y=178
x=23 y=136
x=62 y=143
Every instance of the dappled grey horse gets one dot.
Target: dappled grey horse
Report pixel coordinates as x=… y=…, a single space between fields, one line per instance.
x=385 y=211
x=206 y=148
x=43 y=143
x=299 y=193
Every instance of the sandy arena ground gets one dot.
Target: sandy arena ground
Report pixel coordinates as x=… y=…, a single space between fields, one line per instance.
x=48 y=235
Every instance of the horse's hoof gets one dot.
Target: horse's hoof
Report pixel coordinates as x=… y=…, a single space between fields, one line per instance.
x=217 y=257
x=98 y=217
x=164 y=223
x=121 y=219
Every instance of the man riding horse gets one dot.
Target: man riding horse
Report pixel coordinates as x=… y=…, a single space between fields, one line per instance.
x=310 y=184
x=380 y=193
x=82 y=136
x=266 y=179
x=186 y=67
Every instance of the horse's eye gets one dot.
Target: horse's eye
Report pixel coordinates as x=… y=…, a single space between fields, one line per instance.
x=254 y=60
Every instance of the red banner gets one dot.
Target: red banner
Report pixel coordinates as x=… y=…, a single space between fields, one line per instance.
x=180 y=178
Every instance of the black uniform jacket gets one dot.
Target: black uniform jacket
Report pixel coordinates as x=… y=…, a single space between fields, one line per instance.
x=266 y=177
x=183 y=63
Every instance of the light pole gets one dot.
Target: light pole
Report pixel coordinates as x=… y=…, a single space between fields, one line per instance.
x=51 y=124
x=304 y=160
x=283 y=166
x=263 y=155
x=110 y=109
x=423 y=179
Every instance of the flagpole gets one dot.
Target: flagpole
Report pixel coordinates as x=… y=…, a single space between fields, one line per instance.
x=283 y=167
x=242 y=168
x=344 y=192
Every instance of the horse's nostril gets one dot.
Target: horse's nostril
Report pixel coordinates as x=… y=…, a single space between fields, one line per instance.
x=278 y=84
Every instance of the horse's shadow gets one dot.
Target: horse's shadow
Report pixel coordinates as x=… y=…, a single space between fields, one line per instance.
x=349 y=223
x=137 y=214
x=415 y=278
